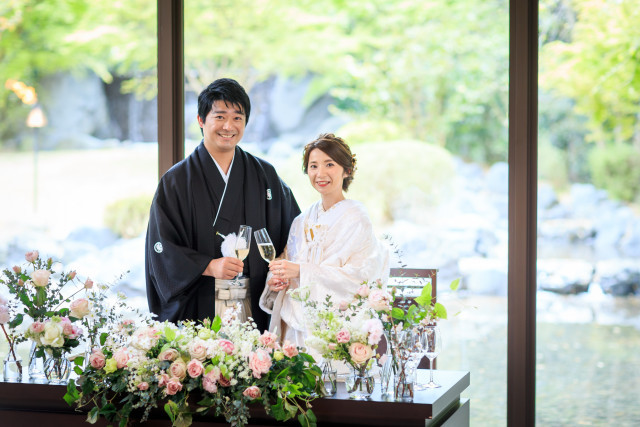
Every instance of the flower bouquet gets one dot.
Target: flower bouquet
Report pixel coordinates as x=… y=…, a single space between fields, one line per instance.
x=346 y=331
x=219 y=366
x=401 y=327
x=38 y=294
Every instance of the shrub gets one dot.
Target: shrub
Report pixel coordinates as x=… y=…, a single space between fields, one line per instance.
x=616 y=168
x=552 y=165
x=128 y=217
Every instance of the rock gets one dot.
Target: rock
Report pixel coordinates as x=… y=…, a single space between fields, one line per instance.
x=618 y=277
x=484 y=276
x=564 y=276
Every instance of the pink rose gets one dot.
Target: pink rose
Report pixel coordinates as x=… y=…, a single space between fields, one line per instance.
x=259 y=362
x=20 y=282
x=178 y=369
x=198 y=349
x=31 y=256
x=343 y=336
x=252 y=392
x=163 y=380
x=67 y=327
x=3 y=301
x=373 y=327
x=169 y=354
x=121 y=357
x=209 y=381
x=72 y=275
x=88 y=284
x=79 y=308
x=97 y=359
x=40 y=278
x=268 y=339
x=380 y=300
x=143 y=386
x=17 y=269
x=37 y=327
x=195 y=368
x=226 y=346
x=5 y=317
x=363 y=290
x=174 y=386
x=343 y=305
x=332 y=346
x=289 y=349
x=76 y=331
x=360 y=353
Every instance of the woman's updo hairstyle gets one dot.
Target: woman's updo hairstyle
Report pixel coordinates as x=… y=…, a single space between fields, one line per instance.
x=335 y=148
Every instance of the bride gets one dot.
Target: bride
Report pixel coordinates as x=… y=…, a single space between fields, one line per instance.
x=331 y=247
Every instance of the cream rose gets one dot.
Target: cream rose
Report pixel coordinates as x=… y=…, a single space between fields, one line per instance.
x=198 y=349
x=53 y=334
x=259 y=362
x=169 y=354
x=360 y=353
x=178 y=369
x=40 y=278
x=79 y=308
x=31 y=256
x=379 y=300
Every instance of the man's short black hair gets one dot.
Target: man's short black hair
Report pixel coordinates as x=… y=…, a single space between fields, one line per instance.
x=227 y=90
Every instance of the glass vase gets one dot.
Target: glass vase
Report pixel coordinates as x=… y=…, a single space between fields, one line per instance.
x=36 y=365
x=398 y=370
x=57 y=369
x=12 y=367
x=329 y=377
x=360 y=383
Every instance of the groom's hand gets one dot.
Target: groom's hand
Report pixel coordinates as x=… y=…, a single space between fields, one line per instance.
x=224 y=268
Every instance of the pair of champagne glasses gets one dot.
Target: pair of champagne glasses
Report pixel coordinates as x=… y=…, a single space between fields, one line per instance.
x=243 y=244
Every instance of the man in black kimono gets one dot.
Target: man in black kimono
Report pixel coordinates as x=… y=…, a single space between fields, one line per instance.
x=216 y=189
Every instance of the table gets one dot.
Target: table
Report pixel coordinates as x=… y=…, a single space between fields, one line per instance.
x=27 y=404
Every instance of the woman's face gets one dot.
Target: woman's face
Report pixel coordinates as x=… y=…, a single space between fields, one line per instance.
x=325 y=174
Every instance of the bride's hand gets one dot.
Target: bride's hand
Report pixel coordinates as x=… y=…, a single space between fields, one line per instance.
x=277 y=285
x=284 y=270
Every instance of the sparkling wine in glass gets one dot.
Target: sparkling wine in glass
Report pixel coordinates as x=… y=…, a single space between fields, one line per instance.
x=265 y=246
x=432 y=345
x=243 y=243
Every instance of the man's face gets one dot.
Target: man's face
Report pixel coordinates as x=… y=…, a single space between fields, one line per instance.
x=223 y=127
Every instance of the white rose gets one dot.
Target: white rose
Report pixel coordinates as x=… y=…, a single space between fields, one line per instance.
x=80 y=308
x=40 y=278
x=53 y=335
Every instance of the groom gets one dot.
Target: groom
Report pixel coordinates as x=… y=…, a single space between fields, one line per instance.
x=211 y=193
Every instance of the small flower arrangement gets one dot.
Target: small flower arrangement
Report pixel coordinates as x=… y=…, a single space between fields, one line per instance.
x=219 y=366
x=38 y=294
x=347 y=331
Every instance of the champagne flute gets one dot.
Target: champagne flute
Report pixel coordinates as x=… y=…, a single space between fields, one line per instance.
x=265 y=246
x=243 y=243
x=432 y=346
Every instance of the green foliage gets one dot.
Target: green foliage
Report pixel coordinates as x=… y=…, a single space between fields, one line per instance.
x=616 y=168
x=393 y=179
x=552 y=165
x=128 y=217
x=601 y=73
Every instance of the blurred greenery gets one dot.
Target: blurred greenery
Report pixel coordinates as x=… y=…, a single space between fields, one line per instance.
x=128 y=217
x=616 y=167
x=393 y=179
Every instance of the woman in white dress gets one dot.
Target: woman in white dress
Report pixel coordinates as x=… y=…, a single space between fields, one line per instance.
x=331 y=247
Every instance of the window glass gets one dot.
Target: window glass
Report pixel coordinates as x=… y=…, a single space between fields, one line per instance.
x=588 y=312
x=419 y=91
